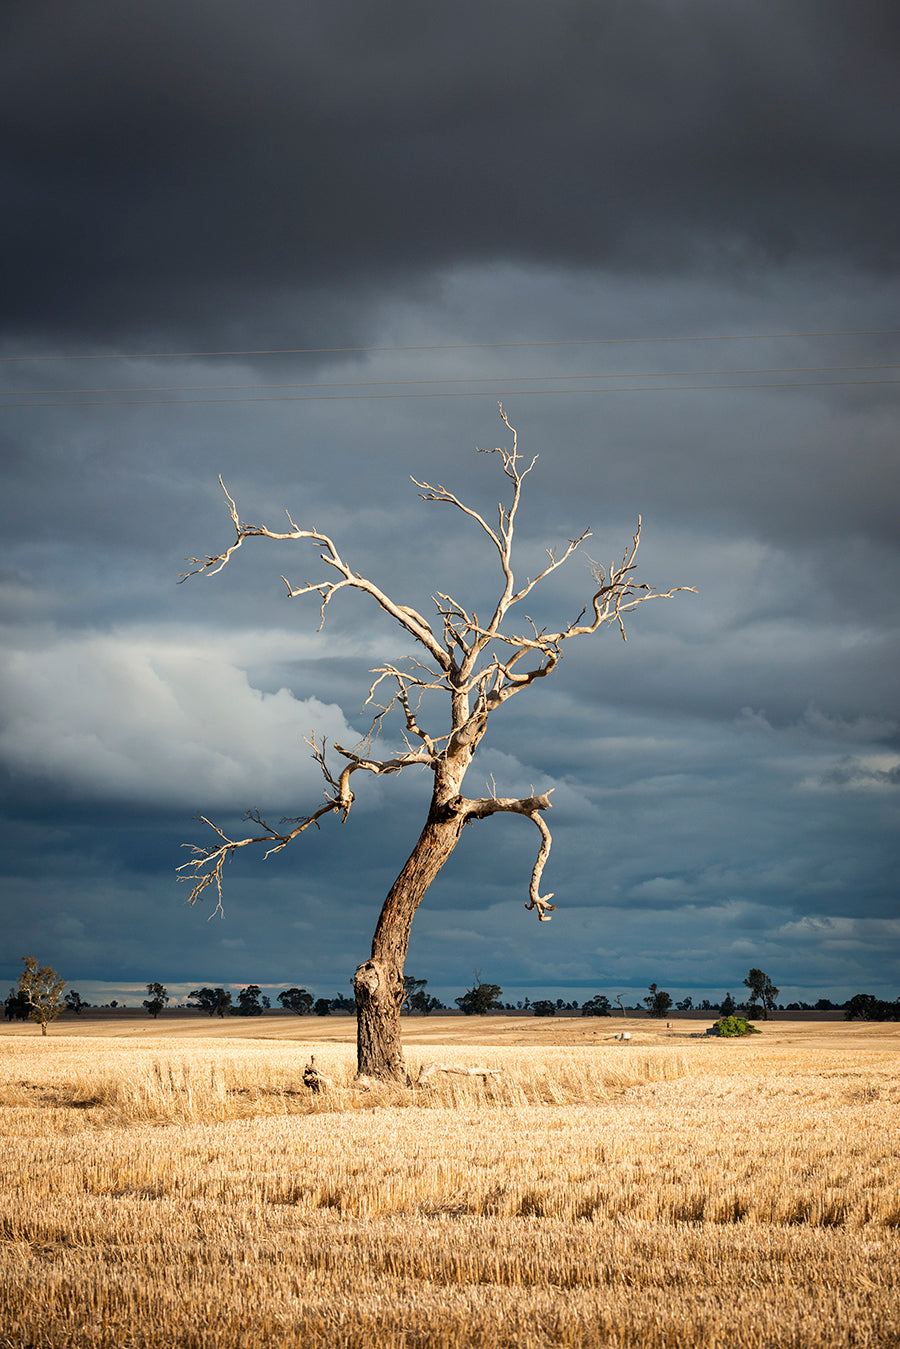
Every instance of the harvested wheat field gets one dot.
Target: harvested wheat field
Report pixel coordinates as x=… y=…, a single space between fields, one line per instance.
x=178 y=1186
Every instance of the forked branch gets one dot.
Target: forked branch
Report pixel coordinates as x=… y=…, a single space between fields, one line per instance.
x=207 y=862
x=408 y=618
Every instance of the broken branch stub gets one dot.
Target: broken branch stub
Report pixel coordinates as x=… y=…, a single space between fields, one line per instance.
x=313 y=1079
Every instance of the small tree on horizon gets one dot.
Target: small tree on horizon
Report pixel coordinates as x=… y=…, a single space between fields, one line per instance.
x=213 y=1001
x=296 y=1000
x=249 y=1001
x=412 y=987
x=15 y=1006
x=866 y=1007
x=480 y=999
x=657 y=1001
x=42 y=989
x=762 y=992
x=159 y=996
x=471 y=666
x=425 y=1003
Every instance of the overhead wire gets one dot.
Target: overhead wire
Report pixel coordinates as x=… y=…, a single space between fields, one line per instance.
x=460 y=346
x=465 y=379
x=454 y=393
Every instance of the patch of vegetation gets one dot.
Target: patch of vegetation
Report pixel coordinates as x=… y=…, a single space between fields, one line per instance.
x=735 y=1025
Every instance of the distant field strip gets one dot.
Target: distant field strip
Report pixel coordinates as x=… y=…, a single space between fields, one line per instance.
x=172 y=1193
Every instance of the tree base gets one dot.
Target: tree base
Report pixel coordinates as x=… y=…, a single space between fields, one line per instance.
x=379 y=997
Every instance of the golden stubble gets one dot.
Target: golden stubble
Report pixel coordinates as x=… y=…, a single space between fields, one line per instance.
x=189 y=1191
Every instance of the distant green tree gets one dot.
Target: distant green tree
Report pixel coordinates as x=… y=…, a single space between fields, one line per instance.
x=203 y=1000
x=425 y=1003
x=157 y=1000
x=16 y=1006
x=685 y=1005
x=296 y=1000
x=728 y=1005
x=599 y=1005
x=42 y=989
x=248 y=1001
x=480 y=999
x=866 y=1007
x=411 y=987
x=322 y=1006
x=213 y=1001
x=74 y=1003
x=861 y=1007
x=657 y=1001
x=544 y=1007
x=762 y=992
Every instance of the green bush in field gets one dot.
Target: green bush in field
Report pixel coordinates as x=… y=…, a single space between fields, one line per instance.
x=735 y=1025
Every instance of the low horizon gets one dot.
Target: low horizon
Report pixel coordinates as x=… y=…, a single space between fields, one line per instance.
x=129 y=995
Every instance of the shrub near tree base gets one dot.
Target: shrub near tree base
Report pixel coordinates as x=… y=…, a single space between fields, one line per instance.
x=735 y=1025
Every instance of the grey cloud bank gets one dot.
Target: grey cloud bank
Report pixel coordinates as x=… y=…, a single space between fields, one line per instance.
x=352 y=175
x=222 y=167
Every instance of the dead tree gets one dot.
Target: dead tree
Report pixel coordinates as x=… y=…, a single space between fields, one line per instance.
x=477 y=665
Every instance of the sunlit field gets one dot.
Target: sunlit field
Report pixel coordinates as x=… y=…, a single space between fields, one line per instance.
x=175 y=1184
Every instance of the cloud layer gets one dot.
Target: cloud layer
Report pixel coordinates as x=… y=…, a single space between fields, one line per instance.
x=226 y=171
x=159 y=721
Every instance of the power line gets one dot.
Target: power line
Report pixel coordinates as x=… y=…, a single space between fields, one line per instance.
x=481 y=379
x=461 y=346
x=455 y=393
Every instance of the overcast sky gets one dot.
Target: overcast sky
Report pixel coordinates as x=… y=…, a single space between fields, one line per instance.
x=633 y=223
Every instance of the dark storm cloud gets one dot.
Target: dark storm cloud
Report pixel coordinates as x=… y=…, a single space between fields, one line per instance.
x=195 y=169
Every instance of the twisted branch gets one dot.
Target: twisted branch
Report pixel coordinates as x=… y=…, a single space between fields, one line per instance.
x=531 y=807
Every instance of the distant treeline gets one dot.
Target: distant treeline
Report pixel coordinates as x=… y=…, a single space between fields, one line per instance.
x=251 y=1001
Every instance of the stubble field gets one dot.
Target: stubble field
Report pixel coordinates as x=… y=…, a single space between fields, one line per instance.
x=173 y=1184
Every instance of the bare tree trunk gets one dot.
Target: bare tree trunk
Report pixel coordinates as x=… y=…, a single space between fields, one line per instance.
x=378 y=983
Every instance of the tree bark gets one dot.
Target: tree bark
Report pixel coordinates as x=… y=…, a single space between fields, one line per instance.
x=378 y=983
